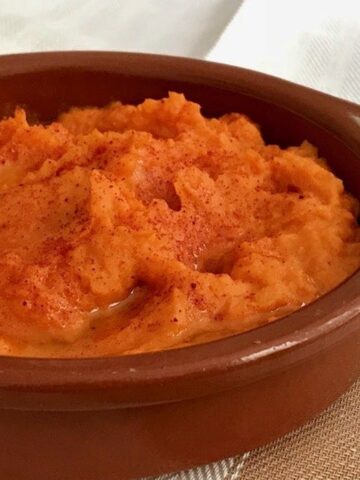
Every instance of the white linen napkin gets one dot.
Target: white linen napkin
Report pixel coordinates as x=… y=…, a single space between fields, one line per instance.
x=174 y=27
x=311 y=42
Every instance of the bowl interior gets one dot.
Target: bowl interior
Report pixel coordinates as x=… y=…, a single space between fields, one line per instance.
x=46 y=84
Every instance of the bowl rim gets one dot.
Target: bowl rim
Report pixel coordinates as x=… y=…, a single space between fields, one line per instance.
x=177 y=367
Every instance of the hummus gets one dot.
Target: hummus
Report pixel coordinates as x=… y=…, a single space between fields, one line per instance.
x=129 y=229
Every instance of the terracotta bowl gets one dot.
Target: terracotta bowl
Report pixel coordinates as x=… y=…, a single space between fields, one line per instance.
x=132 y=416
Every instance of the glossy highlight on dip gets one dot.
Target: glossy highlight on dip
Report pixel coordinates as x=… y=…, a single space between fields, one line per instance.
x=128 y=229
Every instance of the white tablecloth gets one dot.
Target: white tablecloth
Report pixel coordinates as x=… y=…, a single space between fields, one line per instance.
x=175 y=27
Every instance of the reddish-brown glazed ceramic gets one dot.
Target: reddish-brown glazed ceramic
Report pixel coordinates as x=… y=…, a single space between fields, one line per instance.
x=132 y=416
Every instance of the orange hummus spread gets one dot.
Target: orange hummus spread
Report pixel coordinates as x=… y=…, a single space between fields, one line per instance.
x=128 y=229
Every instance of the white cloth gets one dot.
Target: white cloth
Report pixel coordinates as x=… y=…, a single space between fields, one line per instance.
x=312 y=42
x=177 y=27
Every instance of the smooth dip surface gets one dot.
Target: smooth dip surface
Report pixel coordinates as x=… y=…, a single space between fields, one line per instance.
x=128 y=229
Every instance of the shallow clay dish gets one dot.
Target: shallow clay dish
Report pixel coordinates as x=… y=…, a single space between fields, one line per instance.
x=132 y=416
